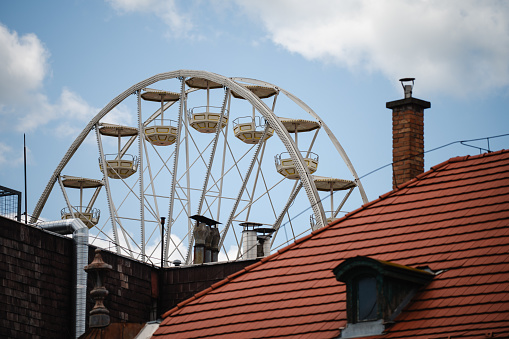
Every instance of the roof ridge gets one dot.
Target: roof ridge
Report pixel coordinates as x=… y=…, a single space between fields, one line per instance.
x=472 y=157
x=443 y=164
x=179 y=305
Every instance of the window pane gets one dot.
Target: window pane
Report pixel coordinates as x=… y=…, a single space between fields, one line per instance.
x=367 y=301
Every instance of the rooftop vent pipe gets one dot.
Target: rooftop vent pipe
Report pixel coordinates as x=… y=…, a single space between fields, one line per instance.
x=79 y=232
x=249 y=240
x=255 y=240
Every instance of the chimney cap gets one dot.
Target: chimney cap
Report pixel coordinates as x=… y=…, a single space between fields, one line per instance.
x=407 y=79
x=256 y=226
x=204 y=220
x=265 y=230
x=248 y=224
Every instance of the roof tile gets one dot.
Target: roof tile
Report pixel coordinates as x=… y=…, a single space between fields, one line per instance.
x=451 y=218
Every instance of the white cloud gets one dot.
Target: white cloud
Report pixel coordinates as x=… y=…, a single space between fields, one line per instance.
x=5 y=154
x=10 y=157
x=121 y=115
x=154 y=250
x=455 y=47
x=69 y=114
x=23 y=65
x=230 y=255
x=23 y=68
x=168 y=11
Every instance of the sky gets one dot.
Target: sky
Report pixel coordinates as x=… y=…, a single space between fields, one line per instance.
x=61 y=62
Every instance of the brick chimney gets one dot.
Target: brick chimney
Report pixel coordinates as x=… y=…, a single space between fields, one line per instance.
x=407 y=135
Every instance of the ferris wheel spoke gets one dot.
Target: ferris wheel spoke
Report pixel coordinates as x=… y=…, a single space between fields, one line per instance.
x=131 y=192
x=279 y=219
x=149 y=168
x=243 y=187
x=209 y=166
x=166 y=256
x=141 y=138
x=239 y=243
x=235 y=165
x=237 y=161
x=177 y=246
x=175 y=163
x=222 y=173
x=256 y=180
x=111 y=206
x=213 y=150
x=265 y=193
x=126 y=239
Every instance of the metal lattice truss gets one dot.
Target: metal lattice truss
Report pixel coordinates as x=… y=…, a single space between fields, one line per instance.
x=207 y=172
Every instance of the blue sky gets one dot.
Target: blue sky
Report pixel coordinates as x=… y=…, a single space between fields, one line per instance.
x=63 y=61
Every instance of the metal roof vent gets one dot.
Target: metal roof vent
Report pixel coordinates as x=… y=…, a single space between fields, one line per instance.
x=407 y=87
x=255 y=240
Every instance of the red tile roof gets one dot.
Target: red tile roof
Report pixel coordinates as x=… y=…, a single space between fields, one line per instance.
x=453 y=218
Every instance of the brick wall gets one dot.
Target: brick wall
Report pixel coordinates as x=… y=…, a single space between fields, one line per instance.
x=129 y=284
x=407 y=139
x=134 y=287
x=37 y=284
x=36 y=294
x=181 y=283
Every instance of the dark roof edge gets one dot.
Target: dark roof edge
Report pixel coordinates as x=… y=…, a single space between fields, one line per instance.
x=318 y=231
x=351 y=266
x=408 y=101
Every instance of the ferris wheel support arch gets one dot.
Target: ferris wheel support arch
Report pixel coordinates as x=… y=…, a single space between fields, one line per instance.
x=230 y=83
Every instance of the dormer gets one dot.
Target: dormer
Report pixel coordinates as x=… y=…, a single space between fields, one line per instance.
x=376 y=292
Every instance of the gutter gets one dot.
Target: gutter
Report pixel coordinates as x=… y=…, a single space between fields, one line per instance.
x=79 y=232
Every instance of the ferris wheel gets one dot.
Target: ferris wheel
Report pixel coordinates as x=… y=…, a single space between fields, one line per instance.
x=236 y=155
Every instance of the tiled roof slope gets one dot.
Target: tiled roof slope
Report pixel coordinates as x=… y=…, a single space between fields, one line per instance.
x=453 y=218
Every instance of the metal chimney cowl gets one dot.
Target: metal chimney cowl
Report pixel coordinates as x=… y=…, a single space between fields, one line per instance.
x=214 y=243
x=200 y=233
x=249 y=244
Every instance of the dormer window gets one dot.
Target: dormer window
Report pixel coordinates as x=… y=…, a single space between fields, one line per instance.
x=365 y=298
x=376 y=293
